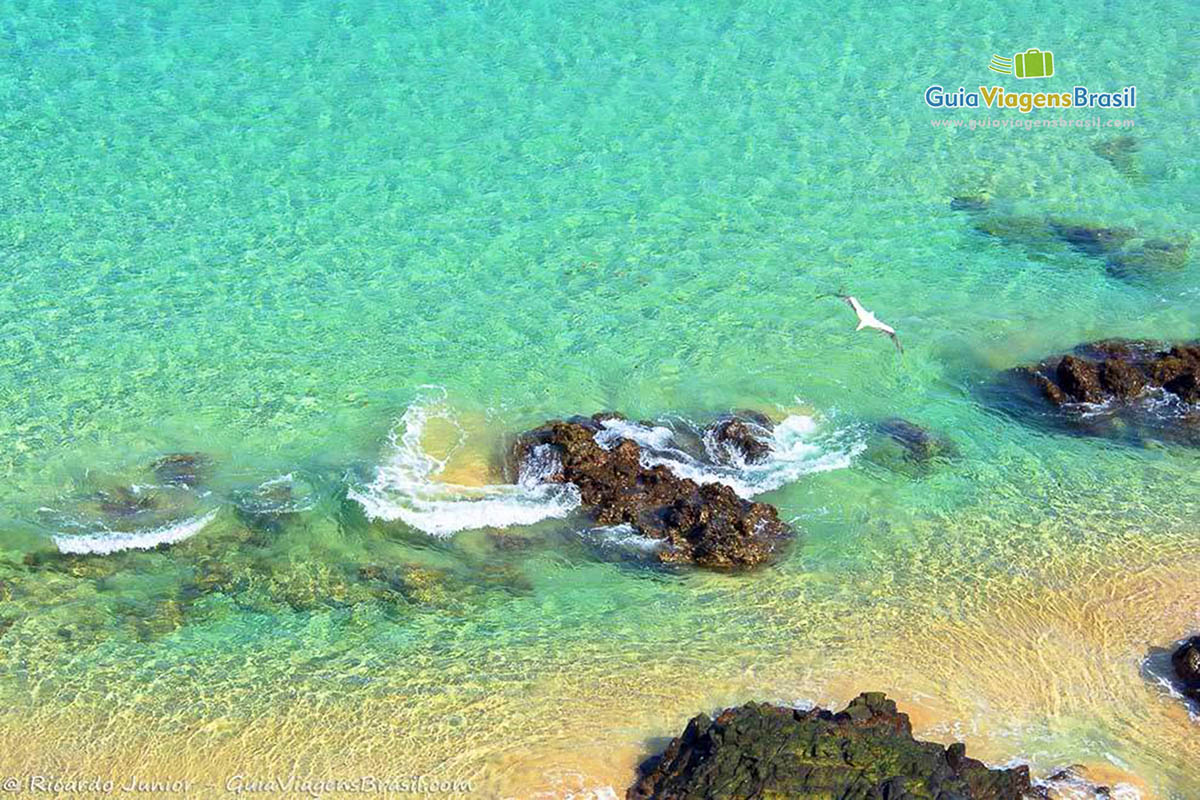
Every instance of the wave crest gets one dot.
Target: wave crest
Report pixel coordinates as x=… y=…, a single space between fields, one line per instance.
x=106 y=542
x=405 y=486
x=798 y=447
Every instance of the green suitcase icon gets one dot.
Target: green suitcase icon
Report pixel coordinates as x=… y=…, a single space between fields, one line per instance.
x=1034 y=63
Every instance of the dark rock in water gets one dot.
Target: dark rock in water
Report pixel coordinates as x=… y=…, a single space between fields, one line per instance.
x=1120 y=378
x=742 y=435
x=919 y=443
x=1112 y=387
x=1186 y=663
x=1149 y=258
x=124 y=501
x=1123 y=370
x=1072 y=782
x=268 y=506
x=970 y=202
x=181 y=469
x=1185 y=387
x=1031 y=233
x=1079 y=380
x=86 y=567
x=866 y=752
x=1128 y=254
x=1120 y=152
x=510 y=542
x=1092 y=240
x=708 y=525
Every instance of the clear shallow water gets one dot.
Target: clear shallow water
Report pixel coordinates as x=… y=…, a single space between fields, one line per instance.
x=259 y=234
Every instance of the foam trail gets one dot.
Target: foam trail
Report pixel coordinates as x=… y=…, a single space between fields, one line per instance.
x=798 y=448
x=622 y=537
x=405 y=486
x=107 y=542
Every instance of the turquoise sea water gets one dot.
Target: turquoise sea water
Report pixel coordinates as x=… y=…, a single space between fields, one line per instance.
x=267 y=234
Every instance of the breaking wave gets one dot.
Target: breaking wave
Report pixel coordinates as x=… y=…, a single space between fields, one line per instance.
x=405 y=486
x=105 y=542
x=798 y=447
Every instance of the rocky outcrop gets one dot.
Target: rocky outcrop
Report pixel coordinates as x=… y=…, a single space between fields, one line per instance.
x=1186 y=663
x=708 y=525
x=1119 y=370
x=743 y=436
x=1114 y=387
x=866 y=752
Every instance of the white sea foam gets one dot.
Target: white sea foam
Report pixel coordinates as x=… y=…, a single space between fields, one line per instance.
x=406 y=487
x=283 y=494
x=623 y=537
x=104 y=542
x=798 y=448
x=656 y=437
x=1072 y=787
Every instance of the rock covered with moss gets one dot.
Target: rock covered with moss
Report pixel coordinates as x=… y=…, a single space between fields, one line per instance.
x=866 y=752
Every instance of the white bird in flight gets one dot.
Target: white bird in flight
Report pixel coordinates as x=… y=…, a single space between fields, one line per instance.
x=867 y=319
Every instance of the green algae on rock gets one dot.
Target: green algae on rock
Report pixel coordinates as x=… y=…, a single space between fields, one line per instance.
x=866 y=752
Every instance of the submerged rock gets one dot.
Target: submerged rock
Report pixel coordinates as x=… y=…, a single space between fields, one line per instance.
x=181 y=469
x=1149 y=258
x=743 y=436
x=1073 y=783
x=1120 y=151
x=1092 y=240
x=866 y=752
x=1128 y=254
x=126 y=501
x=269 y=506
x=708 y=525
x=1031 y=233
x=971 y=202
x=1186 y=663
x=507 y=542
x=919 y=443
x=1112 y=387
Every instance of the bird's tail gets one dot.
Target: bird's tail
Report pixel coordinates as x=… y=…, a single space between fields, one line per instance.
x=861 y=325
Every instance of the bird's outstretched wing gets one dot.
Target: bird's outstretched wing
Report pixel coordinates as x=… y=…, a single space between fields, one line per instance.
x=851 y=301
